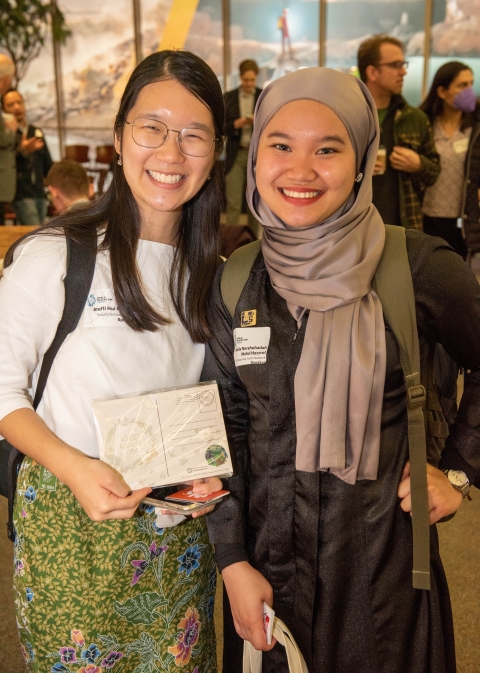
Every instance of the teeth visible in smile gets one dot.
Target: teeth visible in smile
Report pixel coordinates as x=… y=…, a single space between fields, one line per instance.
x=300 y=195
x=167 y=179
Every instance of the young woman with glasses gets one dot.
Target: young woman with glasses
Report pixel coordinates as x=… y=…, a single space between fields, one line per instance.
x=102 y=581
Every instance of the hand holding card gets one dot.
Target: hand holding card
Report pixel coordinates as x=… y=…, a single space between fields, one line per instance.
x=268 y=619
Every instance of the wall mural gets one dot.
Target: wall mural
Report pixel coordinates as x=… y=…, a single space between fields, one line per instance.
x=281 y=35
x=98 y=59
x=282 y=38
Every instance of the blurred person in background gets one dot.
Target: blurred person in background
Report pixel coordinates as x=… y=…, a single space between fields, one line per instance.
x=450 y=206
x=8 y=130
x=239 y=106
x=33 y=162
x=411 y=163
x=68 y=184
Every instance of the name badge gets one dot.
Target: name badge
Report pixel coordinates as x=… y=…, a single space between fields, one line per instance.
x=461 y=146
x=251 y=345
x=101 y=310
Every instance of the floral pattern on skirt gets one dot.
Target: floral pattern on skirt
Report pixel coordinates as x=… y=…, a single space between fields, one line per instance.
x=125 y=596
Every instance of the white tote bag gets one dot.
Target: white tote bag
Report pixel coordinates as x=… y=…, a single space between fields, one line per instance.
x=252 y=658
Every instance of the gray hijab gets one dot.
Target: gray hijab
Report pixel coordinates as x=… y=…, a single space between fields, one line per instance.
x=327 y=269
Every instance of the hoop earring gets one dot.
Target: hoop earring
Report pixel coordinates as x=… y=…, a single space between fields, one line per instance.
x=119 y=162
x=359 y=177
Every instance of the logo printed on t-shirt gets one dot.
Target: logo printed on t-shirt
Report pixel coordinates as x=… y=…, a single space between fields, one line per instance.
x=101 y=309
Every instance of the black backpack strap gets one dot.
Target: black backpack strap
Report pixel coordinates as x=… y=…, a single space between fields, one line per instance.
x=394 y=286
x=78 y=280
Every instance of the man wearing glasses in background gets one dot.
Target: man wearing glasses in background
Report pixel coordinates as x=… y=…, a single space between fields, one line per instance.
x=407 y=161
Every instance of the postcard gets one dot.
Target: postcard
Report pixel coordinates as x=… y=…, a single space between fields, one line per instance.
x=165 y=436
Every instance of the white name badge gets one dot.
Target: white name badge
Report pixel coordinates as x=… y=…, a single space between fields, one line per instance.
x=101 y=310
x=461 y=146
x=251 y=345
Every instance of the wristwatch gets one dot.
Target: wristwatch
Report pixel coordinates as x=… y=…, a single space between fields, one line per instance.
x=460 y=481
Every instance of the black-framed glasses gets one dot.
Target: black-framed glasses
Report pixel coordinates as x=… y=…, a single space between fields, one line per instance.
x=194 y=142
x=395 y=65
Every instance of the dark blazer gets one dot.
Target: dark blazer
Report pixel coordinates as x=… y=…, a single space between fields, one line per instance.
x=8 y=174
x=470 y=206
x=232 y=112
x=31 y=169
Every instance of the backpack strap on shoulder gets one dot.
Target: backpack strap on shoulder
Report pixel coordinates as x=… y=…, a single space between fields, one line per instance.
x=394 y=286
x=78 y=279
x=236 y=272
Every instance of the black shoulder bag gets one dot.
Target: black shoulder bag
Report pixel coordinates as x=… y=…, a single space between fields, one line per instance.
x=78 y=279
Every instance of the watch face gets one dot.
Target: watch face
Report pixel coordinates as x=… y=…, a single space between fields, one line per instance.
x=457 y=478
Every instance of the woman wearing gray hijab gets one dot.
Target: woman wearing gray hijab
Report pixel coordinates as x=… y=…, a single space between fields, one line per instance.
x=318 y=522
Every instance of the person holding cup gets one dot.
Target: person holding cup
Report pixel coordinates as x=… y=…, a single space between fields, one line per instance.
x=239 y=107
x=409 y=162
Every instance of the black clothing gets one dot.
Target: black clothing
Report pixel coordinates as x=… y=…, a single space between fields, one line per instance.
x=339 y=556
x=385 y=188
x=446 y=228
x=410 y=128
x=470 y=205
x=232 y=112
x=31 y=169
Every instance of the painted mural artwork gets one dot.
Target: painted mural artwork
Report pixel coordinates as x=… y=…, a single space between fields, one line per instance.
x=98 y=60
x=281 y=35
x=284 y=34
x=282 y=38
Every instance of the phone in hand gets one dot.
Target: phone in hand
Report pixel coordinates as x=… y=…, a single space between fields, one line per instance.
x=184 y=501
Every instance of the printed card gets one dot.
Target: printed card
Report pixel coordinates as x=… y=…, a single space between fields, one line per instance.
x=164 y=437
x=268 y=619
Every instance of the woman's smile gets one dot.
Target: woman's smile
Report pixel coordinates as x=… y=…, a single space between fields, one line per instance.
x=301 y=196
x=169 y=180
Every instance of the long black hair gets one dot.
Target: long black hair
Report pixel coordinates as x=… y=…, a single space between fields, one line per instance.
x=116 y=215
x=433 y=104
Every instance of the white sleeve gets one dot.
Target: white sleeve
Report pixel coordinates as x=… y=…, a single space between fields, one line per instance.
x=32 y=298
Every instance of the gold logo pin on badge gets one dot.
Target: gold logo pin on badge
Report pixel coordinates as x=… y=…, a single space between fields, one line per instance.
x=248 y=318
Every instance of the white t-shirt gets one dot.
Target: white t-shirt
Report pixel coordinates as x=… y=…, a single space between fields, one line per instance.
x=102 y=357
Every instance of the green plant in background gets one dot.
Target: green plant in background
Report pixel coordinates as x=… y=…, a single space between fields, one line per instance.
x=24 y=25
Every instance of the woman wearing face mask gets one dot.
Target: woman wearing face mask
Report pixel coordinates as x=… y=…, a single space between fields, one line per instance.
x=103 y=581
x=318 y=522
x=451 y=105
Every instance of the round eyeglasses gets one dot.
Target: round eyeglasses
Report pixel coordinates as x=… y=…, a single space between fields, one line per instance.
x=194 y=142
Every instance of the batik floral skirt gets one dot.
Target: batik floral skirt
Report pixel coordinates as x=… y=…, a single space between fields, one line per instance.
x=95 y=596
